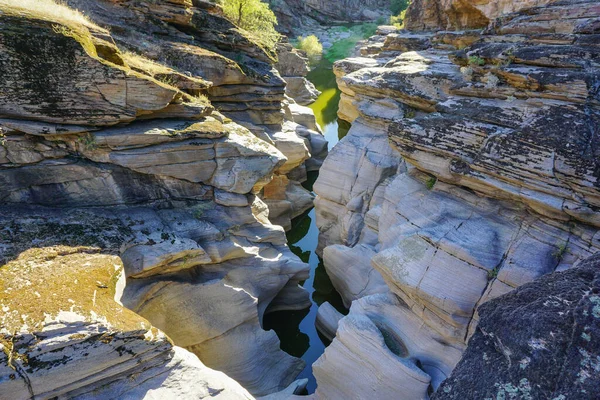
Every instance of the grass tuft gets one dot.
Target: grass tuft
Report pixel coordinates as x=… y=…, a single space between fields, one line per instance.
x=476 y=60
x=431 y=182
x=47 y=10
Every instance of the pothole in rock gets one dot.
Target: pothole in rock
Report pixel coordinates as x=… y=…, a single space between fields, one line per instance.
x=392 y=340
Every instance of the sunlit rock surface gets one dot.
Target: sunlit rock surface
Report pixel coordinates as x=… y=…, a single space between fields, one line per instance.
x=82 y=343
x=297 y=15
x=155 y=158
x=470 y=170
x=456 y=14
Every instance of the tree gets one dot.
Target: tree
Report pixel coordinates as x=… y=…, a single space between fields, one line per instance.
x=253 y=16
x=397 y=6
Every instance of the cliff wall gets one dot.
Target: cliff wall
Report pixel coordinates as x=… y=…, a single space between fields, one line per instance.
x=294 y=15
x=145 y=141
x=471 y=168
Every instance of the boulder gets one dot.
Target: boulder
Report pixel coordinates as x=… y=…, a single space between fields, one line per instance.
x=328 y=319
x=301 y=90
x=548 y=349
x=291 y=61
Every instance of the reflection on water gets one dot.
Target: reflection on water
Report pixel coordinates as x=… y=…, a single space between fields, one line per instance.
x=296 y=329
x=326 y=106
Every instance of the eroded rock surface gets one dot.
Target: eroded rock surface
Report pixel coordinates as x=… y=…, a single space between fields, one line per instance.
x=460 y=14
x=152 y=148
x=470 y=170
x=241 y=77
x=293 y=15
x=82 y=343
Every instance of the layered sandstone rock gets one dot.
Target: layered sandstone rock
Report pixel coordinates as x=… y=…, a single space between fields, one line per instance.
x=470 y=169
x=461 y=14
x=292 y=64
x=110 y=149
x=244 y=82
x=64 y=334
x=392 y=351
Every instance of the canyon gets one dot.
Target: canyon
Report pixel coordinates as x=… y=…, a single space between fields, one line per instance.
x=153 y=156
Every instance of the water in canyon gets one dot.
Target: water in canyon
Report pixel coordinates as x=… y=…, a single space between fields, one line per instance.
x=296 y=329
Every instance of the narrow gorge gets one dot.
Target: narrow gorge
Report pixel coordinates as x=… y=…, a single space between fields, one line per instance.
x=190 y=209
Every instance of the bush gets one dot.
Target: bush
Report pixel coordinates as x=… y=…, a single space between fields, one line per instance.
x=398 y=20
x=312 y=47
x=476 y=60
x=255 y=17
x=431 y=183
x=397 y=6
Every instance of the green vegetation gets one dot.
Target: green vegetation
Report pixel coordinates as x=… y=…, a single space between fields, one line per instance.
x=398 y=8
x=255 y=17
x=2 y=138
x=492 y=273
x=199 y=210
x=311 y=46
x=560 y=251
x=342 y=48
x=476 y=60
x=88 y=141
x=326 y=105
x=431 y=182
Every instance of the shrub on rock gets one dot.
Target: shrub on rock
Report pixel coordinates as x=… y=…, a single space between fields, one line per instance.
x=311 y=46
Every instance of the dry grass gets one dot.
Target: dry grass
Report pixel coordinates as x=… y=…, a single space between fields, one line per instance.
x=48 y=10
x=137 y=61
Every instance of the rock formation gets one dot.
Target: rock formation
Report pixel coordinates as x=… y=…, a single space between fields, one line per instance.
x=430 y=15
x=82 y=344
x=152 y=155
x=244 y=84
x=298 y=14
x=156 y=144
x=471 y=168
x=538 y=342
x=293 y=67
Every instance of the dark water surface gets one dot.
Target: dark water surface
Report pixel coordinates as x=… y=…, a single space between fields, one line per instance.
x=296 y=329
